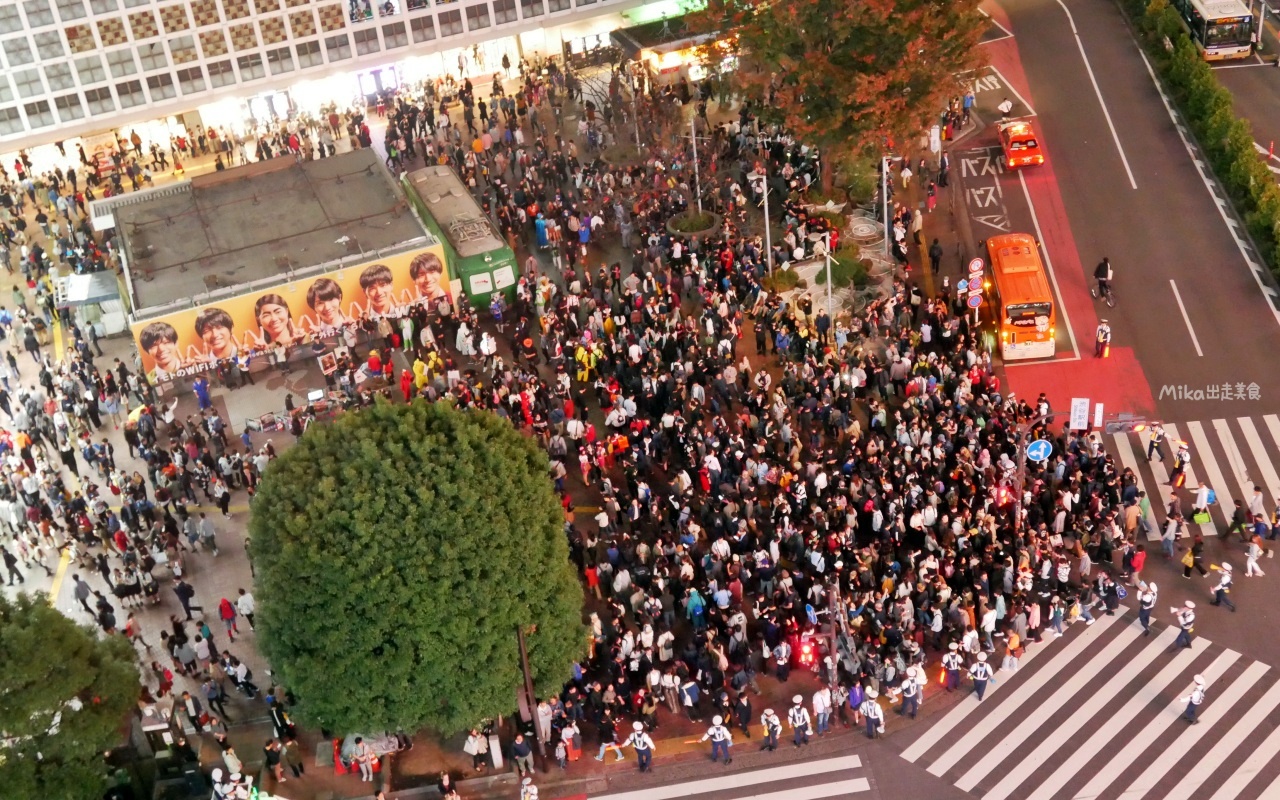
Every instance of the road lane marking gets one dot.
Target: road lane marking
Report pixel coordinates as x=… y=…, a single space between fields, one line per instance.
x=1211 y=472
x=1089 y=68
x=1178 y=296
x=1008 y=34
x=1048 y=264
x=1207 y=529
x=1255 y=269
x=739 y=780
x=58 y=577
x=1016 y=93
x=1251 y=438
x=1234 y=786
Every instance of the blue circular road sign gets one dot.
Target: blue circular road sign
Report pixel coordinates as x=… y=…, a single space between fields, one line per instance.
x=975 y=300
x=1039 y=450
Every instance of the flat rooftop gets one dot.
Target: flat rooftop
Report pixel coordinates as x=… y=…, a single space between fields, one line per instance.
x=260 y=221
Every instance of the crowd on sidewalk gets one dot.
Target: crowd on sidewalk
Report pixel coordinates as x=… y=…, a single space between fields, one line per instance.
x=866 y=465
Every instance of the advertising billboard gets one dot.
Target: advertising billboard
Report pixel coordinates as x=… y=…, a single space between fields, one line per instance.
x=194 y=340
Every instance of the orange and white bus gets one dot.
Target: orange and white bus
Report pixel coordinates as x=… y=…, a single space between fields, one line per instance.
x=1022 y=300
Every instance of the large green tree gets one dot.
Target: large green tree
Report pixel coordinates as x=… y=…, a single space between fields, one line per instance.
x=397 y=550
x=849 y=75
x=65 y=696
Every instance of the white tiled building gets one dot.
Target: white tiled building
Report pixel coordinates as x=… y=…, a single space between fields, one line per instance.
x=72 y=68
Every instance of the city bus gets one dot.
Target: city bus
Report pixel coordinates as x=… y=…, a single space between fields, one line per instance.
x=478 y=256
x=1021 y=299
x=1222 y=29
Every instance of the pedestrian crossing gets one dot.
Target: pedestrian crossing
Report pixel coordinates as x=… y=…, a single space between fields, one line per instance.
x=1231 y=456
x=842 y=776
x=1100 y=714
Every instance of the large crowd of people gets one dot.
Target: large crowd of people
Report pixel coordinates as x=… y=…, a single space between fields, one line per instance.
x=754 y=460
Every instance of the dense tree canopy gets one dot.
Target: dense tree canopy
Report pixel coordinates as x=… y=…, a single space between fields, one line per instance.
x=849 y=75
x=397 y=550
x=65 y=697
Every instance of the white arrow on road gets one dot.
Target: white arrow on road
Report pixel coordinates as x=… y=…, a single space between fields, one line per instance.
x=1266 y=151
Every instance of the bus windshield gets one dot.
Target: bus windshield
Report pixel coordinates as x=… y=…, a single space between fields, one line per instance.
x=1229 y=33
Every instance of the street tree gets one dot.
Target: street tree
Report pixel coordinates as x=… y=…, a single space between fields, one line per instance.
x=397 y=551
x=849 y=76
x=65 y=698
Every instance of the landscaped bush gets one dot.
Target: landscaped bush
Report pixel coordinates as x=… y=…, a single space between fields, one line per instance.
x=1227 y=140
x=783 y=280
x=846 y=268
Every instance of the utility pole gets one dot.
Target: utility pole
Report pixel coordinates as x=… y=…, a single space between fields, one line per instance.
x=763 y=178
x=635 y=116
x=693 y=139
x=531 y=700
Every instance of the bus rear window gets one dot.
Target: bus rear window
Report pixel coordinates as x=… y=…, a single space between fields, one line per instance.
x=1029 y=310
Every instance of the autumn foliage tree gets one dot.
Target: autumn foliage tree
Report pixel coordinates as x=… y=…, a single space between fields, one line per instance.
x=849 y=76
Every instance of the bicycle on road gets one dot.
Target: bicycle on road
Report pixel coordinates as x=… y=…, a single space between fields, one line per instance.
x=1104 y=290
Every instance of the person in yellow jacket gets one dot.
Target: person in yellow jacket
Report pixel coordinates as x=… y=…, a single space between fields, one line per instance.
x=586 y=359
x=420 y=378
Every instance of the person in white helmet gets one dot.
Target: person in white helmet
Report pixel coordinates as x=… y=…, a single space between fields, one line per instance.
x=980 y=673
x=1147 y=595
x=872 y=713
x=952 y=662
x=772 y=729
x=527 y=790
x=912 y=688
x=1194 y=700
x=1223 y=588
x=798 y=718
x=1186 y=625
x=642 y=742
x=721 y=740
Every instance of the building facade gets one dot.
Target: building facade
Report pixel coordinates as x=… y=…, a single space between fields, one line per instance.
x=73 y=68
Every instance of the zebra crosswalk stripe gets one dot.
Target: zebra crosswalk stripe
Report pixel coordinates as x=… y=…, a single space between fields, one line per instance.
x=1045 y=709
x=1232 y=787
x=752 y=780
x=1065 y=732
x=1235 y=461
x=1206 y=529
x=1189 y=785
x=1177 y=751
x=1137 y=703
x=1128 y=755
x=1124 y=449
x=1212 y=476
x=1026 y=691
x=1270 y=480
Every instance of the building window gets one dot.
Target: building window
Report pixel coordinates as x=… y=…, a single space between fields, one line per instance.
x=18 y=51
x=100 y=101
x=153 y=57
x=28 y=82
x=366 y=41
x=69 y=107
x=280 y=60
x=309 y=55
x=423 y=28
x=531 y=8
x=183 y=49
x=250 y=67
x=103 y=6
x=504 y=11
x=220 y=74
x=121 y=63
x=394 y=35
x=338 y=47
x=10 y=121
x=585 y=2
x=38 y=114
x=191 y=80
x=136 y=3
x=130 y=94
x=59 y=77
x=388 y=8
x=418 y=5
x=90 y=70
x=477 y=17
x=70 y=9
x=161 y=87
x=450 y=23
x=559 y=5
x=38 y=13
x=6 y=94
x=49 y=45
x=10 y=21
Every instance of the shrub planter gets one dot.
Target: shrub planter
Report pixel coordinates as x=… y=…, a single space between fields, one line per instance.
x=688 y=224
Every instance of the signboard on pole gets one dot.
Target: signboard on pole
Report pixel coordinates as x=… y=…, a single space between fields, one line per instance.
x=1039 y=450
x=1097 y=416
x=1079 y=413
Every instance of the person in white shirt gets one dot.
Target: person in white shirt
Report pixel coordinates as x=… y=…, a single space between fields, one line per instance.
x=822 y=709
x=798 y=718
x=245 y=605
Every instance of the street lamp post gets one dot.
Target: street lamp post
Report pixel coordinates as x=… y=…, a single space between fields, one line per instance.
x=768 y=244
x=693 y=139
x=884 y=199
